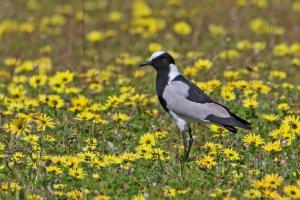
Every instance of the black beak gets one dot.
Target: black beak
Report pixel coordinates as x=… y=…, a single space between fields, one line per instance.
x=145 y=64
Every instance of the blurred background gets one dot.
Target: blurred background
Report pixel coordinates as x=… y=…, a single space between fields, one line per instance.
x=71 y=92
x=81 y=33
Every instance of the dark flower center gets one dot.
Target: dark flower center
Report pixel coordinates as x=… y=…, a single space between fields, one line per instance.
x=293 y=192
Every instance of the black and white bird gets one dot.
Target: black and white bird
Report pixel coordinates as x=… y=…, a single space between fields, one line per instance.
x=187 y=103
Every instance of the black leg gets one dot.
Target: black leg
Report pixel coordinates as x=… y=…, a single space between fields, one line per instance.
x=184 y=142
x=190 y=143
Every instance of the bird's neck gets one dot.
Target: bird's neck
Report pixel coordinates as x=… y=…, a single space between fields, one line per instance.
x=173 y=72
x=164 y=77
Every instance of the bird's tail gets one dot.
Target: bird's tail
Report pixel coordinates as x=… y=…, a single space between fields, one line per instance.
x=239 y=122
x=233 y=121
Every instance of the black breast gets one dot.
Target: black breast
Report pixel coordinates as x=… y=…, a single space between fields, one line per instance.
x=161 y=83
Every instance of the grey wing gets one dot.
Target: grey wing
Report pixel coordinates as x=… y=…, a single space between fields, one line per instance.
x=195 y=94
x=175 y=96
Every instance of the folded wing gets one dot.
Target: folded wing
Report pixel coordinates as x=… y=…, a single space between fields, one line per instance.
x=191 y=103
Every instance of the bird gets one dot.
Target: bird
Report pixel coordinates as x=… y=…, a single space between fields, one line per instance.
x=186 y=103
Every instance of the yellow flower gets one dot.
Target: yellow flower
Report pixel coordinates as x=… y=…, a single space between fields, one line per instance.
x=259 y=87
x=55 y=101
x=30 y=104
x=76 y=172
x=260 y=26
x=95 y=36
x=101 y=197
x=147 y=139
x=243 y=45
x=144 y=151
x=17 y=92
x=169 y=192
x=216 y=30
x=17 y=156
x=286 y=85
x=78 y=103
x=293 y=123
x=229 y=54
x=190 y=71
x=227 y=94
x=206 y=87
x=54 y=170
x=296 y=6
x=128 y=59
x=258 y=46
x=272 y=180
x=64 y=77
x=269 y=117
x=272 y=146
x=281 y=49
x=269 y=193
x=19 y=125
x=253 y=139
x=85 y=116
x=75 y=194
x=43 y=121
x=56 y=84
x=49 y=138
x=34 y=197
x=213 y=148
x=96 y=176
x=203 y=64
x=182 y=28
x=295 y=49
x=141 y=9
x=283 y=106
x=257 y=184
x=2 y=146
x=138 y=197
x=194 y=54
x=46 y=49
x=31 y=139
x=295 y=61
x=25 y=66
x=95 y=87
x=252 y=194
x=114 y=16
x=218 y=131
x=231 y=154
x=37 y=80
x=250 y=103
x=231 y=74
x=159 y=134
x=139 y=73
x=120 y=117
x=292 y=191
x=153 y=47
x=11 y=61
x=277 y=74
x=59 y=186
x=207 y=161
x=229 y=198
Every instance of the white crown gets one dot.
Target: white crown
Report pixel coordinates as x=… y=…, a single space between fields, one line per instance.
x=156 y=54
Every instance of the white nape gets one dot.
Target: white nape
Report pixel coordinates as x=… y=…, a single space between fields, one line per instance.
x=156 y=54
x=173 y=72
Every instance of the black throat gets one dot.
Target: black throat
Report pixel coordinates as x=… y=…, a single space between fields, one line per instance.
x=162 y=78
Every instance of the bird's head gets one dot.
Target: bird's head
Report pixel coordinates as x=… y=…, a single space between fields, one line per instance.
x=160 y=60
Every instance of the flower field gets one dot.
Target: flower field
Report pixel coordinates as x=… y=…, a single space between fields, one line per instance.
x=79 y=119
